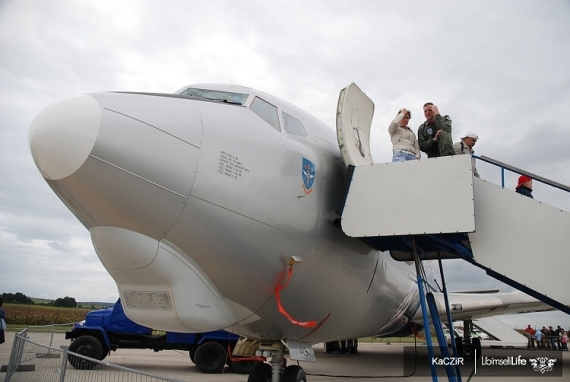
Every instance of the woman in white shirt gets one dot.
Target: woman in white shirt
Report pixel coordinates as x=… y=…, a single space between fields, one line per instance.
x=404 y=143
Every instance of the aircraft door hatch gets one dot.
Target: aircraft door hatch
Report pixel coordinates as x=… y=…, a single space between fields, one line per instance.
x=353 y=121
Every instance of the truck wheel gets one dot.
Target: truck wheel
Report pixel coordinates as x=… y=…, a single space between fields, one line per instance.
x=244 y=367
x=210 y=357
x=192 y=353
x=104 y=352
x=87 y=346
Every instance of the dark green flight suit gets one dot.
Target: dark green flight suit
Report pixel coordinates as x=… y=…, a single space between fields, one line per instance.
x=444 y=144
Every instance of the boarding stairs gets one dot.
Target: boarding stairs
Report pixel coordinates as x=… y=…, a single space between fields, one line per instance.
x=450 y=213
x=436 y=209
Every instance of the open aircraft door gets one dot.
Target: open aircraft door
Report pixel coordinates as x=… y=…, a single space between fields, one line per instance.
x=368 y=207
x=354 y=114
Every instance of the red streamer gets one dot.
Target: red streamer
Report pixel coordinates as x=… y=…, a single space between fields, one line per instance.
x=304 y=324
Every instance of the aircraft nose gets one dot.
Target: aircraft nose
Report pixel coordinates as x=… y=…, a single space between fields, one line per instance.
x=62 y=135
x=116 y=159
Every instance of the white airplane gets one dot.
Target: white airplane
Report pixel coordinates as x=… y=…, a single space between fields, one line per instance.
x=214 y=207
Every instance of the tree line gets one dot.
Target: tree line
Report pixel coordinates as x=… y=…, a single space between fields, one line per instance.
x=20 y=298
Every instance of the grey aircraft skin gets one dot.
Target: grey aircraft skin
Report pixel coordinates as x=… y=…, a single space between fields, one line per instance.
x=224 y=189
x=198 y=202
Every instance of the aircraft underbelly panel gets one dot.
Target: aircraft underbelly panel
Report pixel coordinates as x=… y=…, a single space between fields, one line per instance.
x=160 y=286
x=346 y=308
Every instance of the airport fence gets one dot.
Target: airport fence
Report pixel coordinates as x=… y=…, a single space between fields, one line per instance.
x=32 y=361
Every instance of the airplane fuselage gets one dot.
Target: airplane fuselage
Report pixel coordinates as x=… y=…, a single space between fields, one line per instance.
x=197 y=207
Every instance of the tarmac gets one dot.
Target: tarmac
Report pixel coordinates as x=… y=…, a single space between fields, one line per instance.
x=373 y=362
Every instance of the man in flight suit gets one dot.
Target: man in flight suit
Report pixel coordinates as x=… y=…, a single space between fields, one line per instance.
x=434 y=135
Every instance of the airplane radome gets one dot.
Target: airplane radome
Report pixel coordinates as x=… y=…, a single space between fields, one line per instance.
x=214 y=208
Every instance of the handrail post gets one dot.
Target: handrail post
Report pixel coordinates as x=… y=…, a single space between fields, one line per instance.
x=51 y=338
x=63 y=365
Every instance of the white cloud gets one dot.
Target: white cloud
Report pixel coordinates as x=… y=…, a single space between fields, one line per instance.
x=499 y=68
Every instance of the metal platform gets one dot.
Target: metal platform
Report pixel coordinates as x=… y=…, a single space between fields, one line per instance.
x=453 y=215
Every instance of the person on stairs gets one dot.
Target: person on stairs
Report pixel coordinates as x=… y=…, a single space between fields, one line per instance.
x=404 y=143
x=524 y=187
x=434 y=135
x=465 y=146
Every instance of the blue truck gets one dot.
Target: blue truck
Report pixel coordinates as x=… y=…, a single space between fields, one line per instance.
x=110 y=329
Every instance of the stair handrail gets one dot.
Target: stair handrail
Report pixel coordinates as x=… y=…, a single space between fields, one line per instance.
x=504 y=166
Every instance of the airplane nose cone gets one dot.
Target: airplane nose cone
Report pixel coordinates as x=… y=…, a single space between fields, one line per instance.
x=62 y=135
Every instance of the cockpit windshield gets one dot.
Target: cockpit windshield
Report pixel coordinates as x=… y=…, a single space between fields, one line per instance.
x=216 y=95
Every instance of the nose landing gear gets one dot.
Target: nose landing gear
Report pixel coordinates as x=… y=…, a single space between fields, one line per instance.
x=276 y=370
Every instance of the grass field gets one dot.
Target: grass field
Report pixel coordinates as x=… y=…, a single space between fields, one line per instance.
x=21 y=314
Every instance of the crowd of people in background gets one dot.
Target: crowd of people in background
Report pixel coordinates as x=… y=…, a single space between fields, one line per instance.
x=546 y=338
x=434 y=138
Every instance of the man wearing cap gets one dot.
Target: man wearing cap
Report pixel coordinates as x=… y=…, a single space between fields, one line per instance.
x=434 y=135
x=524 y=187
x=465 y=146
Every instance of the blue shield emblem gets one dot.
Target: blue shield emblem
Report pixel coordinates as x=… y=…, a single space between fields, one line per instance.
x=308 y=173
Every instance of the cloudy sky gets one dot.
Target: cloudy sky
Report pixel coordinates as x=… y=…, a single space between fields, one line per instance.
x=497 y=68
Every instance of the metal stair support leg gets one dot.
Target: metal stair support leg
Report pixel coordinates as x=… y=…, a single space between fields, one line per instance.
x=424 y=310
x=449 y=319
x=440 y=336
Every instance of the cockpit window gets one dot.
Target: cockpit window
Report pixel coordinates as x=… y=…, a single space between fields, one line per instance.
x=215 y=95
x=293 y=125
x=266 y=111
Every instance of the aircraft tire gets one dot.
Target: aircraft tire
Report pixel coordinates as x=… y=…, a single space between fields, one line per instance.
x=260 y=373
x=332 y=347
x=244 y=367
x=87 y=346
x=210 y=357
x=352 y=346
x=476 y=345
x=294 y=373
